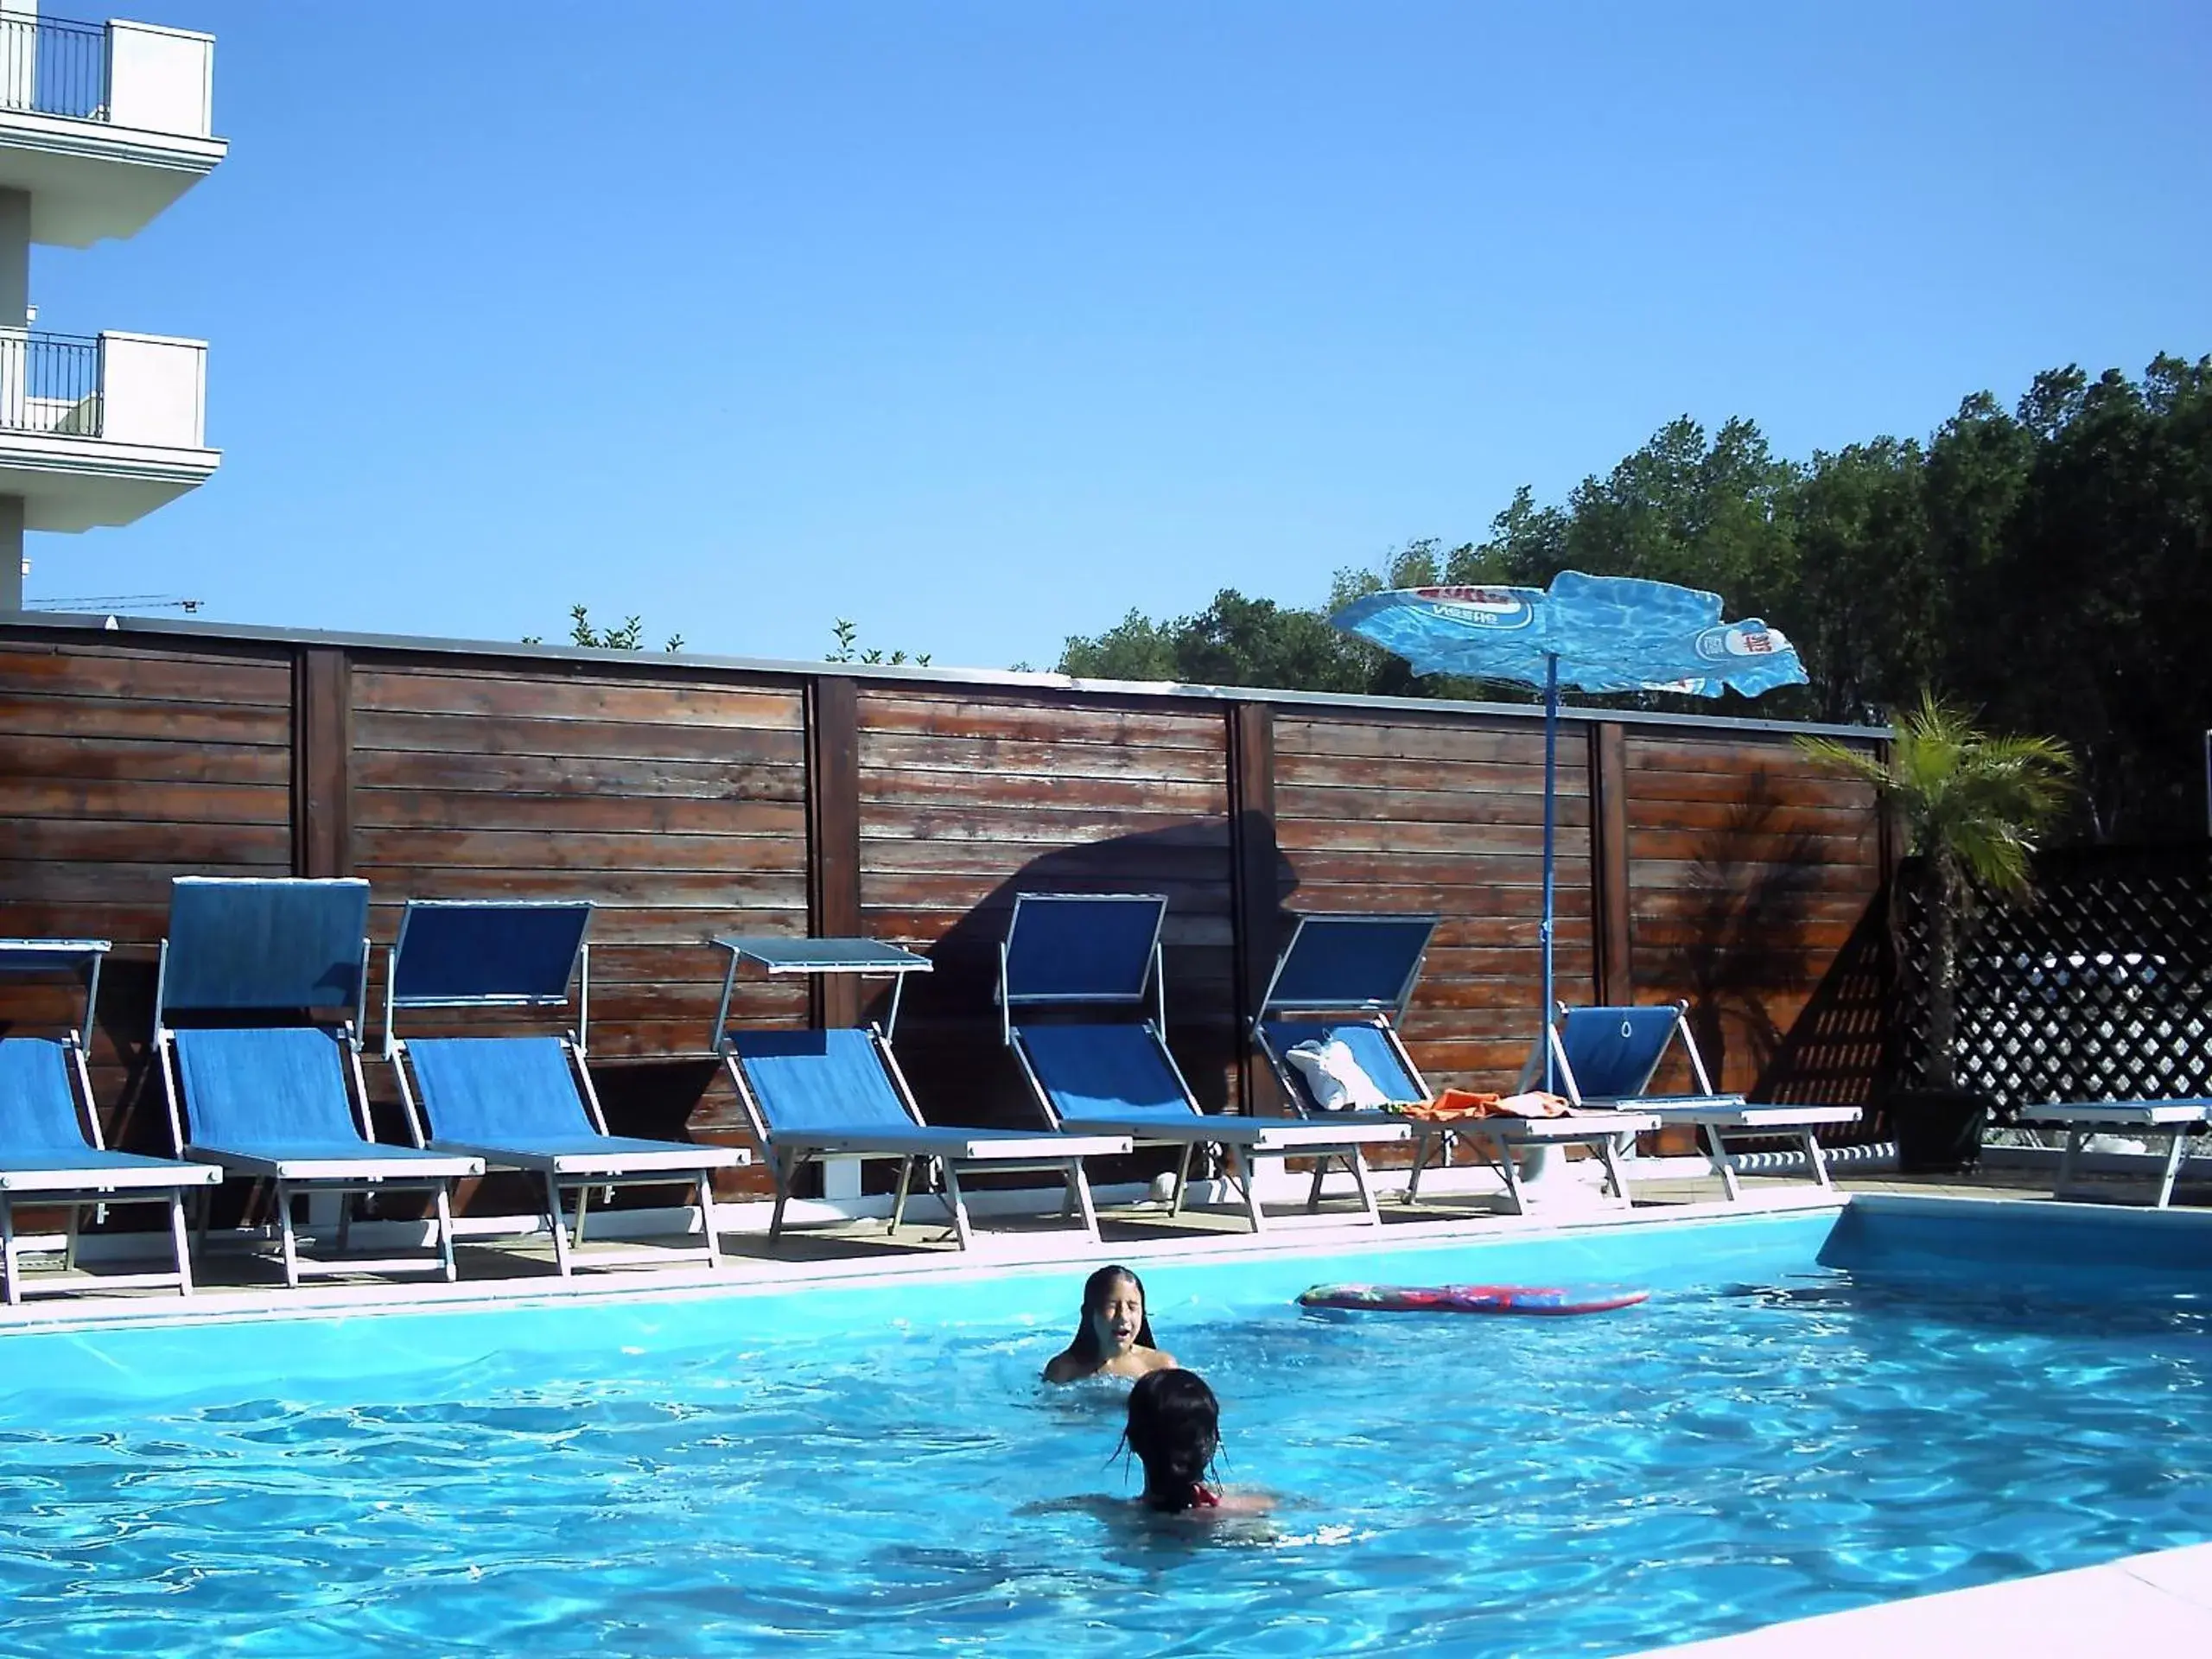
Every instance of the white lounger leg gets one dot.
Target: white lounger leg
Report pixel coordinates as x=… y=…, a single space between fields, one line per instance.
x=1320 y=1173
x=1716 y=1153
x=1079 y=1191
x=899 y=1198
x=1182 y=1181
x=561 y=1264
x=957 y=1202
x=1509 y=1168
x=1817 y=1160
x=181 y=1240
x=2175 y=1142
x=285 y=1232
x=707 y=1231
x=9 y=1266
x=69 y=1247
x=2066 y=1160
x=1609 y=1150
x=445 y=1228
x=1357 y=1164
x=1244 y=1169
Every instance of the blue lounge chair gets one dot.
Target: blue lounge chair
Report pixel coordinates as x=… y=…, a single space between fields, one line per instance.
x=1099 y=953
x=815 y=1095
x=51 y=1152
x=1348 y=978
x=255 y=1085
x=1607 y=1057
x=526 y=1102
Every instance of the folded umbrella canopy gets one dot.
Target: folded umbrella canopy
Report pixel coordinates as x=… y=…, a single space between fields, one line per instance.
x=1594 y=633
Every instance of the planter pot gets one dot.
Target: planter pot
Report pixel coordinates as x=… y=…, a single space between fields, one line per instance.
x=1939 y=1131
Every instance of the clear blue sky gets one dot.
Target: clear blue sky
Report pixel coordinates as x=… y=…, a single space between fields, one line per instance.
x=980 y=323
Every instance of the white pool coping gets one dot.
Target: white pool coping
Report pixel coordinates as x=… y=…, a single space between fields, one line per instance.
x=2159 y=1603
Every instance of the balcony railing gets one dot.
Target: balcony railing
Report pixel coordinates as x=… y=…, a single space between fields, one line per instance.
x=54 y=66
x=50 y=382
x=137 y=75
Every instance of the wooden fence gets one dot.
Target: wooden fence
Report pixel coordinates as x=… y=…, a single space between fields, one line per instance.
x=686 y=796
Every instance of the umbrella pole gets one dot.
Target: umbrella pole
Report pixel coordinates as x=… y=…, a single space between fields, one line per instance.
x=1551 y=770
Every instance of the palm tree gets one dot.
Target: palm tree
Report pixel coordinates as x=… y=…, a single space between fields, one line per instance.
x=1972 y=802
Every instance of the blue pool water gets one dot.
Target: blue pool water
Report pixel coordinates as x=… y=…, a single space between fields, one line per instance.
x=876 y=1470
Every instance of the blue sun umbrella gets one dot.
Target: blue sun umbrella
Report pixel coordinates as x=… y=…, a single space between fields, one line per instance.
x=1593 y=633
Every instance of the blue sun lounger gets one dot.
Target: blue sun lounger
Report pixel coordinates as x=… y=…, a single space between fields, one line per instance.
x=1607 y=1057
x=51 y=1152
x=815 y=1095
x=260 y=1088
x=1099 y=953
x=526 y=1102
x=1348 y=978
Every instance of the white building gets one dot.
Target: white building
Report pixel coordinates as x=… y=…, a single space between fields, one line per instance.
x=102 y=125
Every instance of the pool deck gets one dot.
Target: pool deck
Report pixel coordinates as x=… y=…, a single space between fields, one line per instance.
x=240 y=1280
x=2159 y=1603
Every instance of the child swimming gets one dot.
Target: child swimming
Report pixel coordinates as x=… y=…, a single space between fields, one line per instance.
x=1114 y=1338
x=1175 y=1430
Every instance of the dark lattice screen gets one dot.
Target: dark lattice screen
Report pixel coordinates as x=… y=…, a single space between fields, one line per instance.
x=2101 y=989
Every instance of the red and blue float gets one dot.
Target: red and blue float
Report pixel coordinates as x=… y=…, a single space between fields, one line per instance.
x=1539 y=1300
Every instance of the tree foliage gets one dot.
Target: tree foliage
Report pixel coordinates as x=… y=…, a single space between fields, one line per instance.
x=2051 y=564
x=1972 y=803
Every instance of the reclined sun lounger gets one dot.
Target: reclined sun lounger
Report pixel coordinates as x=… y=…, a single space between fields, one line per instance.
x=2174 y=1119
x=51 y=1152
x=815 y=1095
x=1100 y=953
x=1348 y=979
x=1607 y=1057
x=526 y=1102
x=285 y=1103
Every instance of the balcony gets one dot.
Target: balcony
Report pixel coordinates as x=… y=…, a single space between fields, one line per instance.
x=103 y=124
x=100 y=430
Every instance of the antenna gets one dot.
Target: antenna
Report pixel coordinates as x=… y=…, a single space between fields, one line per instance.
x=116 y=602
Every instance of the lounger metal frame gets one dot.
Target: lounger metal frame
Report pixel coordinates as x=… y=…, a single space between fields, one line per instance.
x=579 y=1183
x=76 y=1191
x=787 y=1153
x=343 y=1180
x=1714 y=1115
x=1296 y=1137
x=2174 y=1119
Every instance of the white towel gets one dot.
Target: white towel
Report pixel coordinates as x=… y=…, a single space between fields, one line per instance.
x=1333 y=1077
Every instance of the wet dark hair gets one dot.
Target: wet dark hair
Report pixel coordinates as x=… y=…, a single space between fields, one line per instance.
x=1086 y=1347
x=1174 y=1429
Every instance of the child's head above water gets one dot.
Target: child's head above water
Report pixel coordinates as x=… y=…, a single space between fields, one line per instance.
x=1174 y=1429
x=1114 y=1318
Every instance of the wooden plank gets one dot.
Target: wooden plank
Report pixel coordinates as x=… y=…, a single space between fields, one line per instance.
x=109 y=760
x=932 y=802
x=833 y=836
x=1135 y=861
x=1006 y=758
x=1651 y=789
x=611 y=700
x=1058 y=722
x=322 y=762
x=1257 y=888
x=98 y=718
x=1302 y=836
x=561 y=815
x=579 y=739
x=1614 y=969
x=145 y=801
x=103 y=841
x=1446 y=738
x=666 y=889
x=145 y=677
x=1461 y=777
x=1332 y=800
x=472 y=849
x=575 y=776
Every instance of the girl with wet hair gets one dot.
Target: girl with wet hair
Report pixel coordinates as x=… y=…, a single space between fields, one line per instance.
x=1115 y=1336
x=1174 y=1430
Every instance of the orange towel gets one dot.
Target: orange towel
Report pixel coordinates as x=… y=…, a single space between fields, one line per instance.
x=1457 y=1105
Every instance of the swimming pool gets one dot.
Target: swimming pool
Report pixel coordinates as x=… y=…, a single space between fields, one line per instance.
x=874 y=1468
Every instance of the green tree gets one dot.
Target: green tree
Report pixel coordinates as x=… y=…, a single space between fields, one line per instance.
x=1972 y=803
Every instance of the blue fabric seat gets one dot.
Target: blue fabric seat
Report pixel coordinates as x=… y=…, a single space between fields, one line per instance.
x=50 y=1146
x=1092 y=954
x=256 y=1007
x=1606 y=1057
x=523 y=1101
x=815 y=1095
